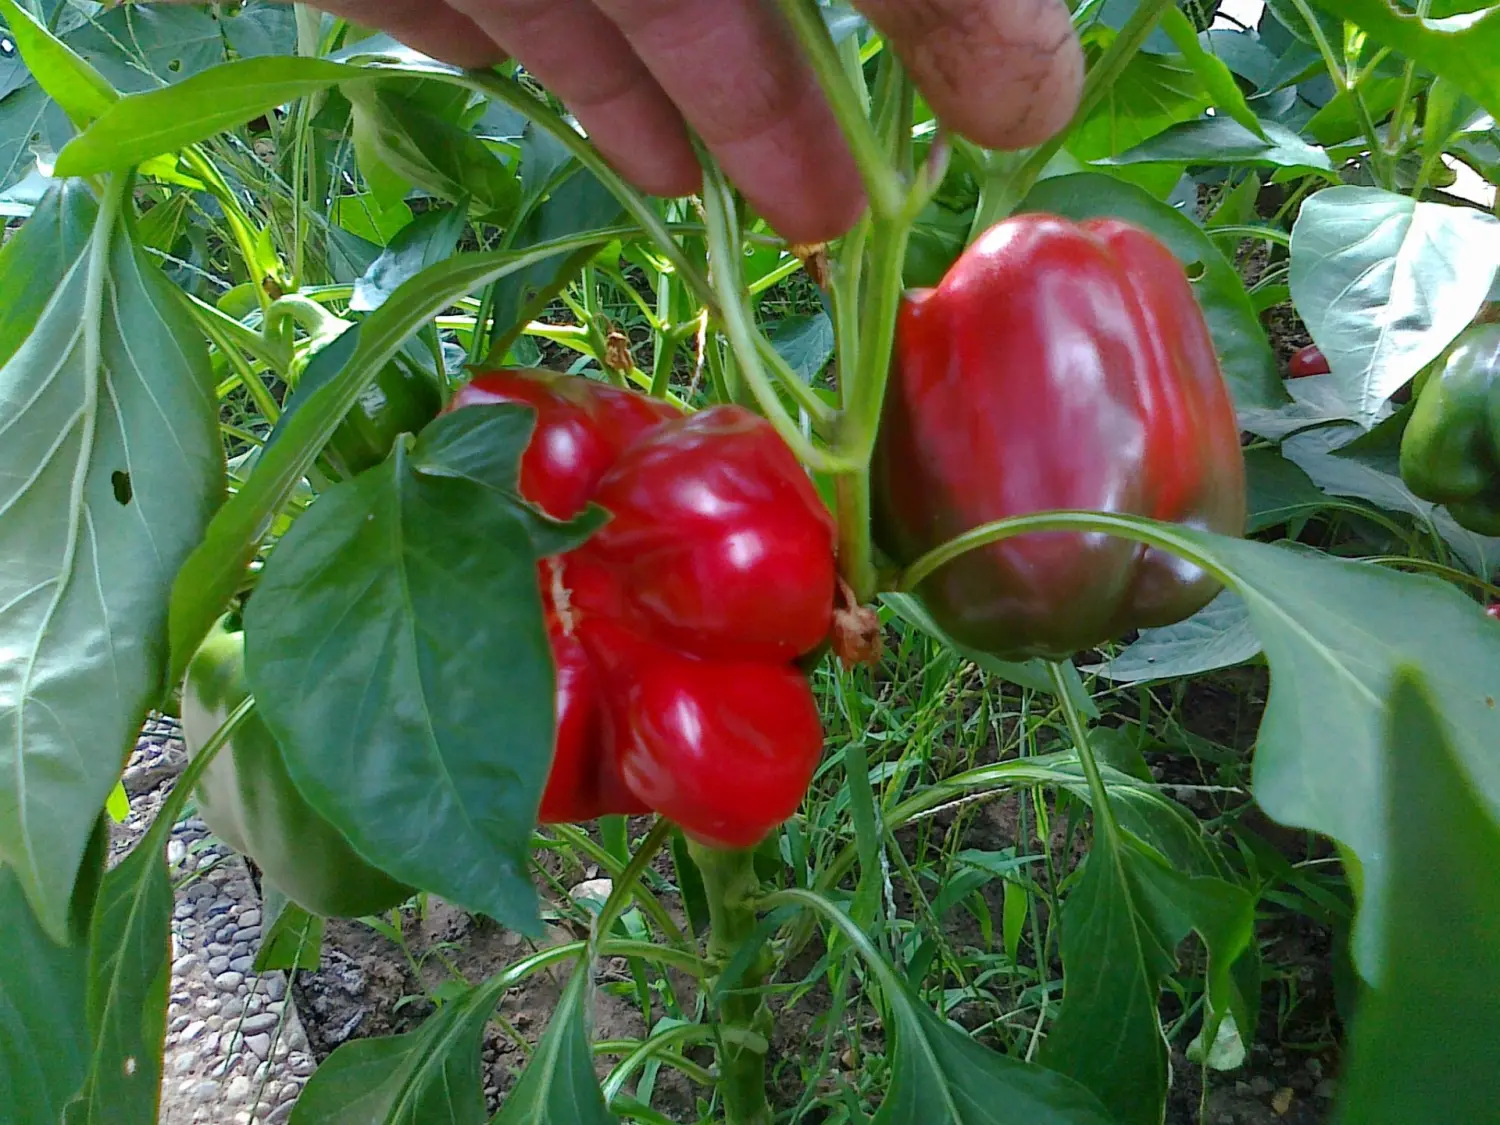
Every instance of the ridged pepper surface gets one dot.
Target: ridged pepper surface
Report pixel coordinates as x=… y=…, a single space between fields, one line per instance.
x=676 y=626
x=1056 y=366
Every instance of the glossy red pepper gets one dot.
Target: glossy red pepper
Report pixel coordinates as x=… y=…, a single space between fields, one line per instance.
x=1307 y=361
x=675 y=628
x=1057 y=366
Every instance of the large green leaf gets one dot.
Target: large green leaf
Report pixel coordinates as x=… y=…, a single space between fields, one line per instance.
x=31 y=124
x=1334 y=633
x=558 y=1086
x=425 y=1077
x=1249 y=365
x=1217 y=636
x=212 y=573
x=44 y=1036
x=1463 y=48
x=1212 y=71
x=1423 y=1043
x=129 y=974
x=426 y=240
x=69 y=80
x=144 y=125
x=1385 y=283
x=111 y=463
x=1153 y=92
x=1223 y=140
x=368 y=627
x=431 y=151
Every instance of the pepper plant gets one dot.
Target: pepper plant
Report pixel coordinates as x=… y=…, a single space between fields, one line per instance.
x=278 y=453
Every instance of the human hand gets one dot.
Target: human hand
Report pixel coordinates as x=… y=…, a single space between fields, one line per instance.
x=1004 y=73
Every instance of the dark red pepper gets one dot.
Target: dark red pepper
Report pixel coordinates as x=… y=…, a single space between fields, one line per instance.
x=675 y=628
x=1307 y=361
x=1057 y=366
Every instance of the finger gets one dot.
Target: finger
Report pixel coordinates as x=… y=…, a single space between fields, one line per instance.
x=1004 y=73
x=582 y=57
x=742 y=85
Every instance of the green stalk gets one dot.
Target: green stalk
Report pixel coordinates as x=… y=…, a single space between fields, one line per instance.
x=731 y=887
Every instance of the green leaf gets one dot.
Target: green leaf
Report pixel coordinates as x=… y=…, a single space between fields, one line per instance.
x=1154 y=92
x=293 y=938
x=558 y=1086
x=1108 y=1034
x=364 y=217
x=1248 y=362
x=426 y=240
x=31 y=124
x=432 y=152
x=68 y=79
x=44 y=1035
x=1422 y=1045
x=1334 y=632
x=939 y=1073
x=427 y=1076
x=1278 y=491
x=1211 y=70
x=1315 y=401
x=129 y=974
x=805 y=342
x=411 y=582
x=36 y=256
x=1463 y=48
x=99 y=512
x=1338 y=122
x=142 y=47
x=1217 y=636
x=1385 y=283
x=1223 y=140
x=212 y=573
x=141 y=126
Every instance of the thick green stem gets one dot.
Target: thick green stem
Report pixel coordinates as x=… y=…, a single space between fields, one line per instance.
x=731 y=887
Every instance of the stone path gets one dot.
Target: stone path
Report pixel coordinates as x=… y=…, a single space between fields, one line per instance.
x=236 y=1053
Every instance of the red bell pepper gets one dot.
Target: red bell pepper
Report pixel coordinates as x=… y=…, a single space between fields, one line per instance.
x=1307 y=361
x=676 y=626
x=1056 y=366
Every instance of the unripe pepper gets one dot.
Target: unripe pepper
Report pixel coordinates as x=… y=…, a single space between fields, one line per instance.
x=1057 y=366
x=1450 y=452
x=247 y=798
x=675 y=628
x=396 y=402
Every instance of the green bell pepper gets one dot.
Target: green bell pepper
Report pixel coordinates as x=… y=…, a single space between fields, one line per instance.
x=398 y=401
x=1450 y=453
x=247 y=797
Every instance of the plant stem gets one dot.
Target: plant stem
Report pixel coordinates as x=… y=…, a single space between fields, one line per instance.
x=731 y=887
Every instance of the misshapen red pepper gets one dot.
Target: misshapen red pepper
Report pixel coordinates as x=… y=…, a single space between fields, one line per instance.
x=1057 y=366
x=675 y=627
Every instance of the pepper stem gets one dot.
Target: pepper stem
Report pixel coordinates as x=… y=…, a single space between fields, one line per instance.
x=731 y=887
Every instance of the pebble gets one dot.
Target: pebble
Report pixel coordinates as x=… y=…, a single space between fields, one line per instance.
x=282 y=1113
x=244 y=965
x=179 y=1022
x=275 y=986
x=226 y=1066
x=206 y=1005
x=184 y=1062
x=176 y=852
x=218 y=964
x=250 y=918
x=184 y=909
x=250 y=935
x=239 y=1089
x=220 y=906
x=260 y=1044
x=263 y=1022
x=218 y=949
x=229 y=980
x=301 y=1064
x=207 y=860
x=192 y=1031
x=185 y=964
